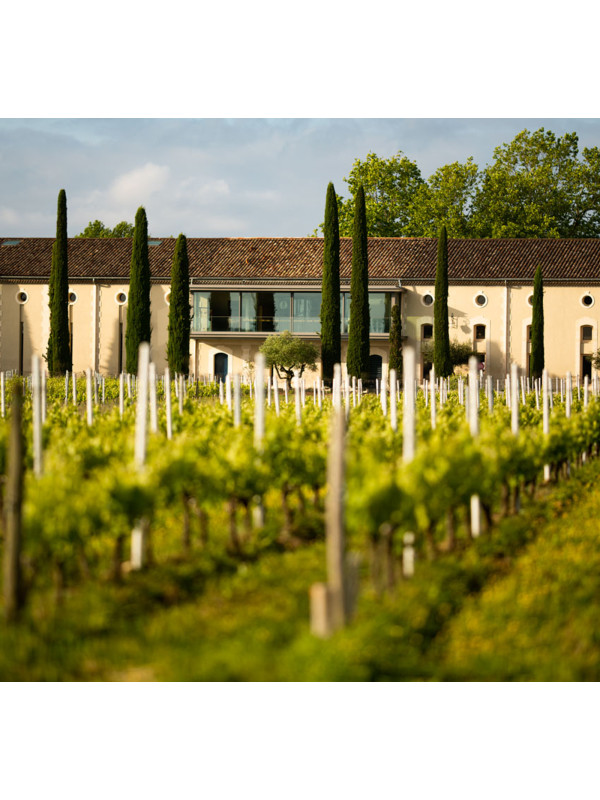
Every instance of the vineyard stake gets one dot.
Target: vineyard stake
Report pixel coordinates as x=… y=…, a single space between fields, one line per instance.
x=297 y=399
x=393 y=401
x=237 y=400
x=66 y=387
x=586 y=392
x=181 y=394
x=408 y=555
x=334 y=542
x=433 y=400
x=285 y=391
x=12 y=579
x=276 y=395
x=474 y=428
x=36 y=391
x=568 y=397
x=337 y=386
x=168 y=403
x=514 y=399
x=228 y=392
x=545 y=417
x=121 y=395
x=153 y=404
x=408 y=417
x=490 y=394
x=139 y=535
x=88 y=396
x=259 y=401
x=74 y=378
x=384 y=396
x=2 y=394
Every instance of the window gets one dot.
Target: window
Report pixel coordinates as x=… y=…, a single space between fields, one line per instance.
x=587 y=300
x=22 y=297
x=168 y=298
x=480 y=300
x=121 y=298
x=380 y=309
x=427 y=331
x=529 y=333
x=427 y=299
x=307 y=312
x=586 y=333
x=274 y=311
x=72 y=298
x=480 y=332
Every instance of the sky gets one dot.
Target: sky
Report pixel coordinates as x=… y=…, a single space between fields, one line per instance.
x=221 y=177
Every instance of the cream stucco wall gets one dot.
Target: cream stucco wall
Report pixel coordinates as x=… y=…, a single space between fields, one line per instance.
x=506 y=315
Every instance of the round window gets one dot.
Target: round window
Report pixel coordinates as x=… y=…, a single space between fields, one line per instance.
x=587 y=300
x=427 y=299
x=121 y=298
x=530 y=300
x=72 y=298
x=168 y=298
x=22 y=297
x=480 y=300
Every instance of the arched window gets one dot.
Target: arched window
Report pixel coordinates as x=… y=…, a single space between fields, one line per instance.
x=587 y=332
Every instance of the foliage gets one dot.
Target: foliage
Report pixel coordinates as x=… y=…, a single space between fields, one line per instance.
x=98 y=230
x=441 y=351
x=396 y=341
x=59 y=346
x=138 y=307
x=287 y=353
x=538 y=185
x=331 y=352
x=536 y=359
x=357 y=357
x=178 y=345
x=460 y=352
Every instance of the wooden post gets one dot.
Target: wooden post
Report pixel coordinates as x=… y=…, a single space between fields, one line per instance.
x=237 y=400
x=586 y=393
x=568 y=395
x=12 y=581
x=259 y=401
x=3 y=394
x=383 y=396
x=297 y=399
x=228 y=392
x=66 y=387
x=88 y=396
x=336 y=389
x=334 y=521
x=121 y=395
x=168 y=404
x=153 y=403
x=221 y=392
x=103 y=390
x=74 y=379
x=393 y=401
x=545 y=417
x=181 y=394
x=36 y=392
x=276 y=394
x=408 y=420
x=490 y=394
x=474 y=428
x=139 y=535
x=285 y=391
x=514 y=399
x=43 y=391
x=408 y=555
x=433 y=408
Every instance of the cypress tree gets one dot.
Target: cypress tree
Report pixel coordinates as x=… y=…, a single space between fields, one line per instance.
x=138 y=307
x=59 y=348
x=441 y=344
x=396 y=341
x=536 y=358
x=357 y=360
x=178 y=346
x=331 y=344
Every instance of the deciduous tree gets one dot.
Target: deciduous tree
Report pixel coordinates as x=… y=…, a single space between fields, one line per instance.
x=98 y=230
x=286 y=353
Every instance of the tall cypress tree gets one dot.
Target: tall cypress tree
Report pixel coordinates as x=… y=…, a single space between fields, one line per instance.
x=178 y=346
x=441 y=344
x=357 y=360
x=138 y=307
x=396 y=341
x=59 y=348
x=331 y=344
x=536 y=359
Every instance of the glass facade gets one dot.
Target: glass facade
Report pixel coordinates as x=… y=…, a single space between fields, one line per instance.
x=274 y=312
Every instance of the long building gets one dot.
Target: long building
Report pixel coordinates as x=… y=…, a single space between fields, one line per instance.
x=244 y=289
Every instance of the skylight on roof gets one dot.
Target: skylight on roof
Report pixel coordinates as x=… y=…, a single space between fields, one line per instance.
x=154 y=241
x=11 y=241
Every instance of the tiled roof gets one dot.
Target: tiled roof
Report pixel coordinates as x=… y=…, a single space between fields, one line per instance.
x=295 y=259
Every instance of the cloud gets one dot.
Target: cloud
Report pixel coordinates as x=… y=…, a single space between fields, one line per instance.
x=8 y=216
x=134 y=186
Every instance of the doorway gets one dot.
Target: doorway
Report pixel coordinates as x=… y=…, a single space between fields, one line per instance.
x=221 y=366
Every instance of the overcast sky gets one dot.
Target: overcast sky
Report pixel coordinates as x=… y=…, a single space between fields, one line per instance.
x=220 y=177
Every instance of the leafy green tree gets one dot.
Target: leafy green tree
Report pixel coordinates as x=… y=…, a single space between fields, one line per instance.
x=178 y=346
x=138 y=307
x=357 y=358
x=441 y=349
x=396 y=341
x=539 y=186
x=446 y=199
x=389 y=186
x=286 y=352
x=98 y=230
x=536 y=359
x=331 y=346
x=460 y=352
x=59 y=347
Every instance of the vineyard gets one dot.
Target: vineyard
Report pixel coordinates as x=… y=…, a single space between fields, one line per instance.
x=182 y=530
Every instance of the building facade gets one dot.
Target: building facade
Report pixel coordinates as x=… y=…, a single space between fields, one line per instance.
x=242 y=290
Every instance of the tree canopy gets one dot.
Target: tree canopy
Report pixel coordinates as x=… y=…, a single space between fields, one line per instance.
x=537 y=185
x=98 y=230
x=286 y=352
